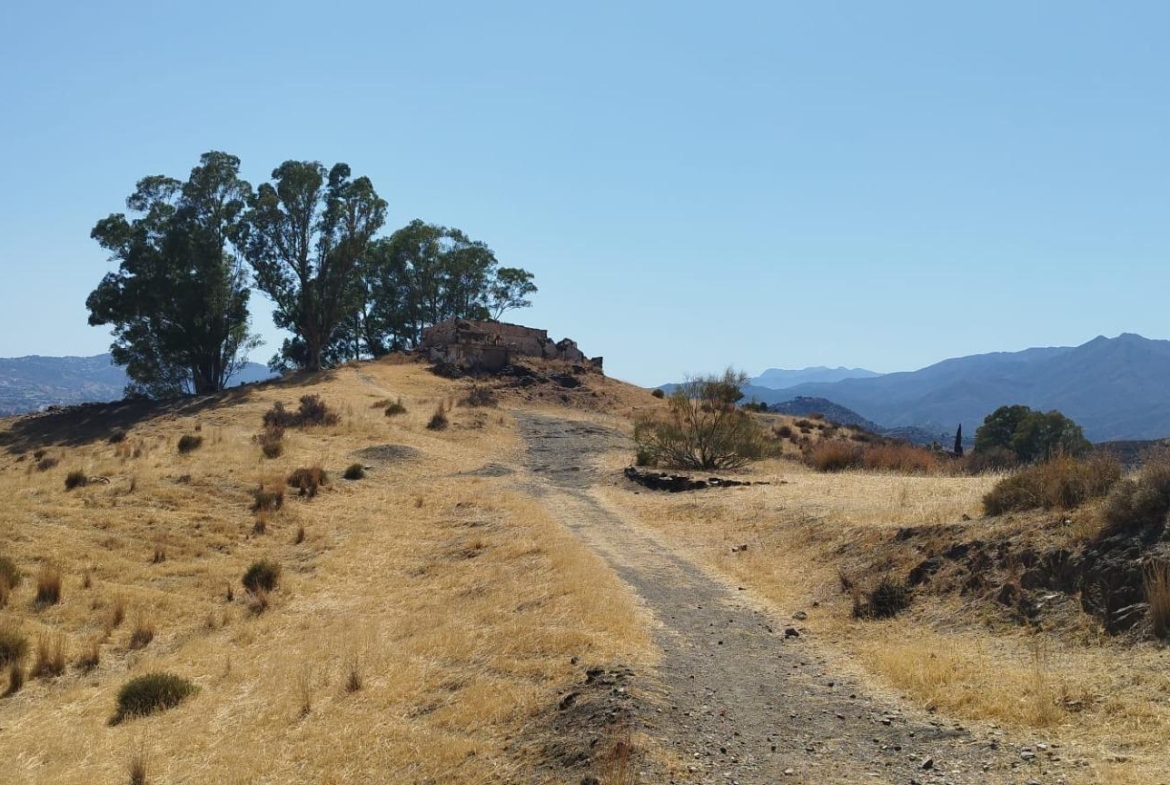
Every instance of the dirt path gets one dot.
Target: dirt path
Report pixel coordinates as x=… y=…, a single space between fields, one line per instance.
x=741 y=700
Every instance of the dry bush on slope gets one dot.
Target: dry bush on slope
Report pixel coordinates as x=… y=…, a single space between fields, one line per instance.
x=1062 y=483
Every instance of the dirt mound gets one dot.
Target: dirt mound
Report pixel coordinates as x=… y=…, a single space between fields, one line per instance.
x=388 y=453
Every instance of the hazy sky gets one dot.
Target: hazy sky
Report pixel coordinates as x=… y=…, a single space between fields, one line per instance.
x=760 y=184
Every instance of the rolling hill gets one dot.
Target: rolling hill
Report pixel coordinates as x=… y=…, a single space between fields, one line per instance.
x=782 y=379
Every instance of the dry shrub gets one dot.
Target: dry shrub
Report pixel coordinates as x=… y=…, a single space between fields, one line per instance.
x=479 y=395
x=900 y=457
x=256 y=601
x=188 y=443
x=117 y=436
x=91 y=657
x=136 y=768
x=267 y=499
x=271 y=441
x=143 y=632
x=994 y=459
x=9 y=579
x=116 y=615
x=308 y=481
x=150 y=693
x=784 y=432
x=15 y=678
x=13 y=646
x=50 y=656
x=660 y=394
x=76 y=479
x=312 y=412
x=886 y=599
x=353 y=675
x=1140 y=502
x=355 y=471
x=1061 y=483
x=1156 y=582
x=833 y=456
x=262 y=575
x=395 y=408
x=46 y=463
x=438 y=421
x=48 y=585
x=260 y=525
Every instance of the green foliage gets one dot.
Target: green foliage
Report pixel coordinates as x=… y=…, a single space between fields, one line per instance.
x=309 y=233
x=151 y=693
x=702 y=428
x=189 y=443
x=178 y=302
x=1062 y=483
x=1030 y=435
x=263 y=575
x=312 y=411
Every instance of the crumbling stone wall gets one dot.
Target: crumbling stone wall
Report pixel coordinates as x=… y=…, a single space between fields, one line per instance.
x=492 y=345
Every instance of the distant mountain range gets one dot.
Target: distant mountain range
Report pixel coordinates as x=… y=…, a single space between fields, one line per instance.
x=781 y=379
x=28 y=384
x=1115 y=388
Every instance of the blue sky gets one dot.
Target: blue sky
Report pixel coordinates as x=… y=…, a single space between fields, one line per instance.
x=757 y=184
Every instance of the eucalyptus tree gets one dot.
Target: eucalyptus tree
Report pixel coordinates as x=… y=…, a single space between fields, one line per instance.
x=178 y=302
x=309 y=231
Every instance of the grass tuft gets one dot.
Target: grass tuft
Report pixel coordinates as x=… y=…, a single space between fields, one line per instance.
x=267 y=500
x=50 y=657
x=189 y=443
x=151 y=693
x=48 y=585
x=1157 y=587
x=262 y=575
x=76 y=479
x=13 y=646
x=355 y=471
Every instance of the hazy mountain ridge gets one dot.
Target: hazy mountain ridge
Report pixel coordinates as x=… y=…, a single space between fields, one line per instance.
x=28 y=384
x=783 y=378
x=1116 y=388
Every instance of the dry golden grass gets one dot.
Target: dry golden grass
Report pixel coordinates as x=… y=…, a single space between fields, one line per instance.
x=463 y=600
x=1105 y=701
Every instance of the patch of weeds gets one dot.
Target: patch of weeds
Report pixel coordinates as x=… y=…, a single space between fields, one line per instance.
x=48 y=585
x=308 y=481
x=884 y=601
x=76 y=479
x=13 y=646
x=395 y=408
x=262 y=575
x=50 y=657
x=479 y=396
x=438 y=421
x=188 y=443
x=142 y=634
x=267 y=499
x=151 y=693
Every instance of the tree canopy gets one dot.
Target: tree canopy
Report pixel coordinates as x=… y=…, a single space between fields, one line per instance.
x=1030 y=435
x=178 y=302
x=309 y=232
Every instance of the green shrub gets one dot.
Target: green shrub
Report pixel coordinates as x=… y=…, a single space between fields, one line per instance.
x=311 y=412
x=702 y=427
x=13 y=646
x=271 y=441
x=355 y=471
x=1062 y=483
x=76 y=479
x=189 y=443
x=150 y=693
x=263 y=575
x=884 y=601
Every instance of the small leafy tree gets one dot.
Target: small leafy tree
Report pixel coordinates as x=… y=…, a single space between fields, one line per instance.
x=1031 y=436
x=702 y=428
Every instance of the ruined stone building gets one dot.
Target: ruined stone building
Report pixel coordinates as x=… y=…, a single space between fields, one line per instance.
x=492 y=345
